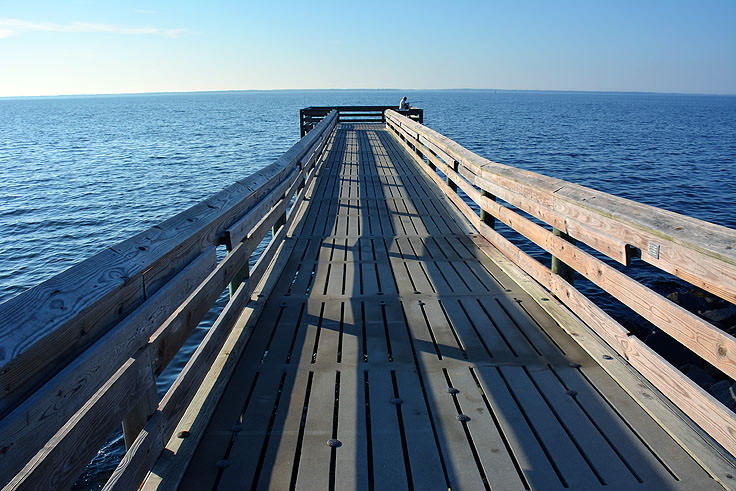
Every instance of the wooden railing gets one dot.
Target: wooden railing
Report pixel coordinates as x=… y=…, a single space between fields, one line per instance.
x=80 y=352
x=309 y=117
x=699 y=252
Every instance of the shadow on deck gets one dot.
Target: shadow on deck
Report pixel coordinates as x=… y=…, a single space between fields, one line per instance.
x=393 y=353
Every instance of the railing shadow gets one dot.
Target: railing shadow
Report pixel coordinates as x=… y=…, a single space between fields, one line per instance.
x=414 y=372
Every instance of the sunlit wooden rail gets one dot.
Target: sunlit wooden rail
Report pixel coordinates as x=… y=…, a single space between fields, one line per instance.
x=701 y=253
x=388 y=334
x=81 y=351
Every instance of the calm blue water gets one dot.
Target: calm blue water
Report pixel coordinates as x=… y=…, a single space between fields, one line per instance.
x=80 y=174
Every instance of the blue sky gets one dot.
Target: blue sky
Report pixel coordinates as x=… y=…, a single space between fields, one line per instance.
x=88 y=46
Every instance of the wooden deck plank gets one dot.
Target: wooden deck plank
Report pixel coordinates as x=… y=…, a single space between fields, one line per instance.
x=602 y=457
x=385 y=303
x=494 y=338
x=376 y=346
x=351 y=458
x=646 y=466
x=500 y=469
x=314 y=464
x=278 y=462
x=461 y=465
x=426 y=467
x=242 y=462
x=535 y=462
x=474 y=345
x=576 y=470
x=351 y=344
x=671 y=457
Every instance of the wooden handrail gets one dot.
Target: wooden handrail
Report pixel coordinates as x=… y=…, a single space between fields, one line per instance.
x=86 y=345
x=699 y=252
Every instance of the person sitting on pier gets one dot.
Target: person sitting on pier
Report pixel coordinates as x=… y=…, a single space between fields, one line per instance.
x=404 y=104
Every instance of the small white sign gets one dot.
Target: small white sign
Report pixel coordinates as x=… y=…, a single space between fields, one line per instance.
x=653 y=250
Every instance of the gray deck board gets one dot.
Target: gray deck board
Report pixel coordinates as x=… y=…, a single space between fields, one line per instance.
x=384 y=306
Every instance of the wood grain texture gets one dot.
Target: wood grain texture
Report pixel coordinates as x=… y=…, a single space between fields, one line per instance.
x=77 y=307
x=240 y=229
x=700 y=445
x=718 y=421
x=31 y=425
x=700 y=336
x=64 y=457
x=704 y=339
x=699 y=252
x=145 y=450
x=147 y=447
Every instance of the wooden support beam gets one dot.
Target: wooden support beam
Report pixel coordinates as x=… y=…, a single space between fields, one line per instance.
x=450 y=182
x=280 y=221
x=486 y=217
x=239 y=278
x=558 y=266
x=138 y=417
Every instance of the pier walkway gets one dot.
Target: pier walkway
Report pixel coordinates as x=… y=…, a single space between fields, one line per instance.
x=391 y=335
x=378 y=327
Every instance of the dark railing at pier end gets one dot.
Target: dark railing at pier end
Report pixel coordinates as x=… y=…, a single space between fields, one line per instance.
x=309 y=117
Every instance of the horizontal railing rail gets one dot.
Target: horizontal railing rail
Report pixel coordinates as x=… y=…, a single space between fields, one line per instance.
x=702 y=253
x=81 y=351
x=309 y=117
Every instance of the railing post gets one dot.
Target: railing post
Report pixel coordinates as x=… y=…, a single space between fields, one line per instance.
x=421 y=156
x=280 y=221
x=138 y=416
x=559 y=267
x=450 y=182
x=486 y=217
x=239 y=278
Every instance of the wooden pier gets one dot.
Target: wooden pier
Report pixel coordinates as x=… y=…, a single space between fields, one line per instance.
x=388 y=337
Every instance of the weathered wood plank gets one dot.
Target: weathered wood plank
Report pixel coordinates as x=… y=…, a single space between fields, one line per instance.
x=170 y=336
x=76 y=307
x=538 y=466
x=314 y=464
x=710 y=260
x=150 y=442
x=424 y=456
x=601 y=456
x=461 y=465
x=67 y=311
x=131 y=472
x=242 y=227
x=64 y=457
x=700 y=446
x=710 y=414
x=709 y=342
x=31 y=425
x=497 y=462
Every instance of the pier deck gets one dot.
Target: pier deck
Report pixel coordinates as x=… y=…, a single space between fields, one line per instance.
x=393 y=336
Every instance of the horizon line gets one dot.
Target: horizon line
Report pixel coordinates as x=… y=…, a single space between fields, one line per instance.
x=215 y=91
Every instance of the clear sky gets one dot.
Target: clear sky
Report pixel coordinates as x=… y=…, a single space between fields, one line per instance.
x=90 y=46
